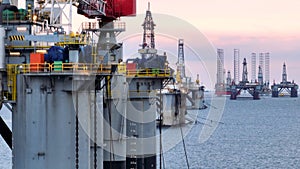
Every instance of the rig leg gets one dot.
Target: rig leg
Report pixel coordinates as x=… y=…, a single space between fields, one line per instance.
x=234 y=92
x=275 y=91
x=294 y=92
x=256 y=95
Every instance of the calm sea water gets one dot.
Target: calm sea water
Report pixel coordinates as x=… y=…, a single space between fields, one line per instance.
x=252 y=134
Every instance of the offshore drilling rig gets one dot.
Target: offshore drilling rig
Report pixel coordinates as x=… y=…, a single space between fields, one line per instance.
x=75 y=103
x=290 y=87
x=252 y=88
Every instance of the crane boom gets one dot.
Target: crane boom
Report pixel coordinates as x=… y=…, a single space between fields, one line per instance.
x=108 y=10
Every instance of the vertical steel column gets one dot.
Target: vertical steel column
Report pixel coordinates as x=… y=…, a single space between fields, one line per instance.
x=253 y=67
x=220 y=67
x=236 y=65
x=267 y=69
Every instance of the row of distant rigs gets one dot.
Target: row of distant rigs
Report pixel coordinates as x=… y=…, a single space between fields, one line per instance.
x=256 y=88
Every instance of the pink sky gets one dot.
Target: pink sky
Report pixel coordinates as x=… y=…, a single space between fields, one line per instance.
x=251 y=26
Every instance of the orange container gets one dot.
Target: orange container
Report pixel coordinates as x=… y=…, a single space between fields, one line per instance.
x=131 y=66
x=36 y=61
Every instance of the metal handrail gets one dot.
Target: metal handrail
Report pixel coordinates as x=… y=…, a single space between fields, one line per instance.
x=86 y=67
x=149 y=73
x=65 y=67
x=77 y=68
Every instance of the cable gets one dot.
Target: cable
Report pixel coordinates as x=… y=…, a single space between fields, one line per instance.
x=76 y=135
x=108 y=97
x=95 y=130
x=163 y=161
x=160 y=136
x=186 y=157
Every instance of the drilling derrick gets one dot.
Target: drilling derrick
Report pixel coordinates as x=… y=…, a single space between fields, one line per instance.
x=150 y=58
x=228 y=79
x=148 y=25
x=260 y=76
x=261 y=61
x=141 y=124
x=148 y=45
x=284 y=74
x=180 y=61
x=245 y=72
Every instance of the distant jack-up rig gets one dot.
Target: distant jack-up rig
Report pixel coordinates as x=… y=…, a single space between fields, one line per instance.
x=225 y=88
x=260 y=81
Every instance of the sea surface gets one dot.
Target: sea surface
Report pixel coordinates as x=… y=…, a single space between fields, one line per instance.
x=261 y=133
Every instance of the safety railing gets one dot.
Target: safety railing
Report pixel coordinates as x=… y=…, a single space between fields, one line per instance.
x=87 y=68
x=149 y=72
x=83 y=68
x=73 y=68
x=59 y=67
x=89 y=25
x=73 y=38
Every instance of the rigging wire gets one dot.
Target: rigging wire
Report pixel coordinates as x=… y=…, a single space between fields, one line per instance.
x=108 y=97
x=76 y=134
x=186 y=157
x=95 y=130
x=161 y=155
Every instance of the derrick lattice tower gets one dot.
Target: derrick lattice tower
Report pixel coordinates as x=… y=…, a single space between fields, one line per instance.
x=245 y=72
x=260 y=76
x=284 y=74
x=148 y=36
x=228 y=79
x=261 y=61
x=180 y=61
